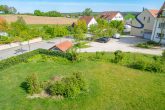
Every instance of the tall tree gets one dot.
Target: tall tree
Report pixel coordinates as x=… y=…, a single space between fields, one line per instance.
x=87 y=12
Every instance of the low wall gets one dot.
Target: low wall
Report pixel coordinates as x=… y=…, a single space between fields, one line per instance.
x=16 y=44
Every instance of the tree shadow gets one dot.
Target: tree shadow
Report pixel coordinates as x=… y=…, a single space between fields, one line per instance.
x=132 y=40
x=24 y=86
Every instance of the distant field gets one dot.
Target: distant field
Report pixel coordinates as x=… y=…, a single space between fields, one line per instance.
x=40 y=19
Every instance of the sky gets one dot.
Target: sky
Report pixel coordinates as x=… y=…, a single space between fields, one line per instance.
x=28 y=6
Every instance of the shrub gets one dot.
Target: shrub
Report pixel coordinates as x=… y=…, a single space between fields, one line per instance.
x=68 y=86
x=57 y=88
x=118 y=56
x=149 y=44
x=17 y=59
x=139 y=64
x=163 y=55
x=74 y=54
x=71 y=87
x=154 y=67
x=33 y=85
x=26 y=56
x=80 y=81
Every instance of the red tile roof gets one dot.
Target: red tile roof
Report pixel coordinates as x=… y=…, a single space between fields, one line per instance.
x=86 y=18
x=154 y=12
x=109 y=15
x=161 y=9
x=64 y=46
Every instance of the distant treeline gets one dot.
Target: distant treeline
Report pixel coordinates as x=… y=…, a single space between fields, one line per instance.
x=49 y=13
x=7 y=10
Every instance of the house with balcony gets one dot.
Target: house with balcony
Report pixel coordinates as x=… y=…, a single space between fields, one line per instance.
x=158 y=34
x=142 y=25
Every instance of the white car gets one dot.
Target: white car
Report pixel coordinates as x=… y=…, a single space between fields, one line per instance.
x=116 y=36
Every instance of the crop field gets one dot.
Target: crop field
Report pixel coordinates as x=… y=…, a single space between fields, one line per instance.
x=39 y=19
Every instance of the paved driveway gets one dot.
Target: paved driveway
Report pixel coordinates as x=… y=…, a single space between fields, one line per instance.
x=126 y=44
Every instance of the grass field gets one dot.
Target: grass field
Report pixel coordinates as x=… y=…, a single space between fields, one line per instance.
x=111 y=87
x=40 y=19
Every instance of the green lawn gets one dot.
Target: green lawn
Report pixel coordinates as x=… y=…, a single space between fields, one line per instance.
x=111 y=87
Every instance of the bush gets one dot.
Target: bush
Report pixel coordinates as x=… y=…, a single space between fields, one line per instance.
x=57 y=88
x=68 y=86
x=26 y=56
x=149 y=44
x=139 y=64
x=163 y=55
x=154 y=67
x=74 y=54
x=33 y=85
x=72 y=88
x=17 y=59
x=118 y=56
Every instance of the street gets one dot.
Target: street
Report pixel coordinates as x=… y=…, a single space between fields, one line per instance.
x=25 y=48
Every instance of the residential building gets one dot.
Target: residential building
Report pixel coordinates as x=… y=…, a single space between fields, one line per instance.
x=90 y=20
x=62 y=47
x=143 y=24
x=159 y=26
x=112 y=15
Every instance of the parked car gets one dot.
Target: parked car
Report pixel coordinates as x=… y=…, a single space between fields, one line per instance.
x=116 y=36
x=103 y=39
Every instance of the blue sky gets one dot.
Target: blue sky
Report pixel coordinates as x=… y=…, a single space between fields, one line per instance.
x=80 y=5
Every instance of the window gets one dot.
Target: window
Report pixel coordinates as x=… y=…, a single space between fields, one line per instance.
x=159 y=35
x=144 y=18
x=161 y=25
x=148 y=21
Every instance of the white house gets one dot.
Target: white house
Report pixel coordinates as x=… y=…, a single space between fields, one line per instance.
x=112 y=15
x=90 y=20
x=142 y=25
x=159 y=26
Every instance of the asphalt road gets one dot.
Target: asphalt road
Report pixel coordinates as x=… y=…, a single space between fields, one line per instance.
x=23 y=49
x=125 y=44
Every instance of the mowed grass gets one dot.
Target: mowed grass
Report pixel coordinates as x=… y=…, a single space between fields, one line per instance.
x=111 y=87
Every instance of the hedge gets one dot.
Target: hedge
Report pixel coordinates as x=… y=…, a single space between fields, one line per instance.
x=24 y=57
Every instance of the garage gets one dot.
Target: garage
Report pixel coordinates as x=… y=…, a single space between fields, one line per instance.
x=147 y=34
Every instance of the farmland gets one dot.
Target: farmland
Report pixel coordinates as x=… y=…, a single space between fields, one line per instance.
x=40 y=19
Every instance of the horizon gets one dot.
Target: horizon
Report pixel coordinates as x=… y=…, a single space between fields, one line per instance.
x=75 y=6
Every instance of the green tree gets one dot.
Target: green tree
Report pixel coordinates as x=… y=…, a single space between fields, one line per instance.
x=7 y=10
x=129 y=16
x=78 y=34
x=17 y=27
x=102 y=23
x=82 y=25
x=119 y=25
x=33 y=85
x=38 y=13
x=87 y=12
